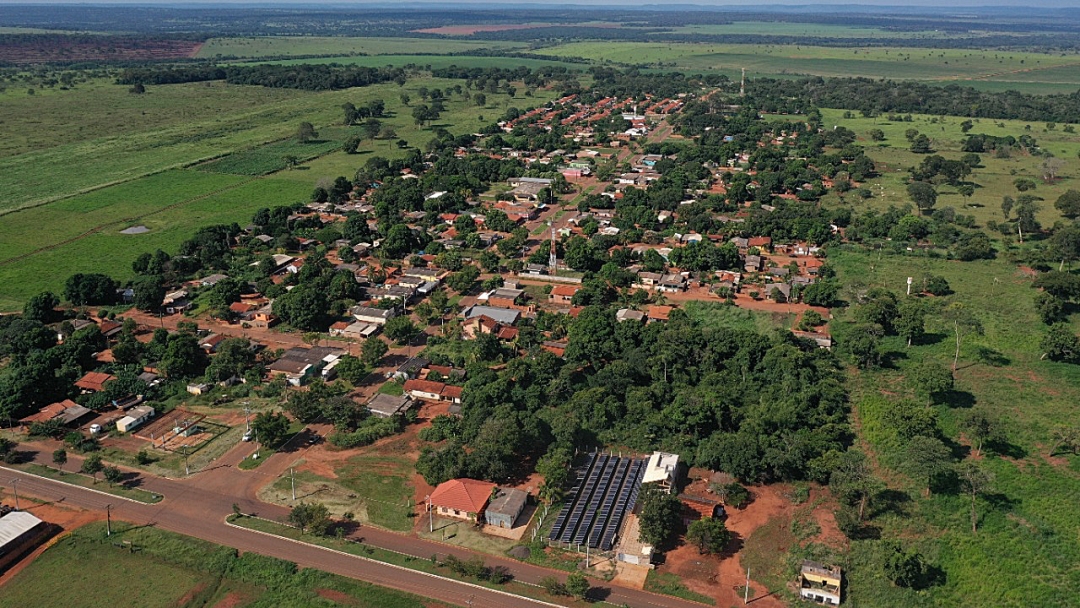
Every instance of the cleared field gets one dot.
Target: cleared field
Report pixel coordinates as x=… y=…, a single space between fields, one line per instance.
x=101 y=108
x=285 y=45
x=45 y=175
x=109 y=251
x=994 y=179
x=1022 y=528
x=432 y=61
x=780 y=28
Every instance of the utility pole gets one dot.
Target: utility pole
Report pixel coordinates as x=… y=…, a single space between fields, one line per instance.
x=15 y=489
x=746 y=589
x=247 y=417
x=586 y=555
x=187 y=469
x=431 y=520
x=553 y=260
x=292 y=478
x=742 y=84
x=108 y=520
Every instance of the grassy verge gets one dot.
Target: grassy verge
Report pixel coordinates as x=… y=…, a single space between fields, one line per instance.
x=265 y=451
x=421 y=564
x=669 y=584
x=78 y=479
x=176 y=570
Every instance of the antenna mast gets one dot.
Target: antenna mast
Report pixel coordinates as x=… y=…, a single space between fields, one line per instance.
x=553 y=261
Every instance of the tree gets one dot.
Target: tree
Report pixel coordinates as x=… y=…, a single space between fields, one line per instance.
x=271 y=428
x=183 y=357
x=1065 y=245
x=405 y=99
x=350 y=113
x=1027 y=207
x=660 y=514
x=975 y=480
x=373 y=351
x=853 y=481
x=351 y=369
x=90 y=289
x=923 y=195
x=372 y=127
x=1061 y=344
x=306 y=132
x=1069 y=204
x=92 y=465
x=149 y=293
x=463 y=280
x=1051 y=309
x=936 y=285
x=41 y=307
x=980 y=426
x=709 y=534
x=876 y=134
x=921 y=144
x=1065 y=438
x=400 y=329
x=1051 y=166
x=1023 y=184
x=351 y=144
x=963 y=323
x=932 y=379
x=113 y=475
x=910 y=320
x=311 y=517
x=863 y=342
x=924 y=459
x=577 y=585
x=903 y=568
x=59 y=458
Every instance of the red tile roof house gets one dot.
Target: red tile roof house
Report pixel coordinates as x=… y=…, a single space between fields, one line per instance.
x=461 y=498
x=93 y=382
x=563 y=294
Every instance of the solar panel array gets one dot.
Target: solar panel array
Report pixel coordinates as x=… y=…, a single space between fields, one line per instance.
x=606 y=491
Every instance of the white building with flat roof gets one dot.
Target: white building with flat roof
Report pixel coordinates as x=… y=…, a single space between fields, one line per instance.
x=663 y=470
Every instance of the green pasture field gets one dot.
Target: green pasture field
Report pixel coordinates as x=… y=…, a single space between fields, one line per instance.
x=994 y=180
x=100 y=109
x=108 y=251
x=305 y=45
x=1026 y=530
x=461 y=116
x=45 y=175
x=781 y=28
x=930 y=65
x=271 y=157
x=432 y=61
x=169 y=570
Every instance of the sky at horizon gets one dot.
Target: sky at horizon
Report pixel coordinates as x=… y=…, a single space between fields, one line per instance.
x=968 y=4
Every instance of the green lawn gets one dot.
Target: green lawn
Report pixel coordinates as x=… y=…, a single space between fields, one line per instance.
x=669 y=584
x=1026 y=528
x=166 y=570
x=78 y=479
x=718 y=314
x=383 y=483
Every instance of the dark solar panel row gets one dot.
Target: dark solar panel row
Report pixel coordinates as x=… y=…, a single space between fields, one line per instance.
x=623 y=505
x=604 y=513
x=574 y=519
x=606 y=489
x=564 y=513
x=603 y=484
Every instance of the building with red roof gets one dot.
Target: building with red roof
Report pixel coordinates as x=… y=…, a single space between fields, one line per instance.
x=93 y=382
x=461 y=498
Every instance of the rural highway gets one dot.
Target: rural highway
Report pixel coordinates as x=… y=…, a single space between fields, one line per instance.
x=197 y=506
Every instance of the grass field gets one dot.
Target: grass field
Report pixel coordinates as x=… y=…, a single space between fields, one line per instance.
x=717 y=314
x=201 y=196
x=995 y=178
x=195 y=204
x=781 y=28
x=968 y=67
x=383 y=484
x=313 y=45
x=78 y=479
x=431 y=61
x=168 y=570
x=1024 y=529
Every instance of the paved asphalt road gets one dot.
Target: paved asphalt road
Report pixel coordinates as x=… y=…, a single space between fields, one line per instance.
x=197 y=506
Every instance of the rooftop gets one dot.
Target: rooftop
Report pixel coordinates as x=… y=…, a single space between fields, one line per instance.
x=468 y=495
x=508 y=501
x=15 y=524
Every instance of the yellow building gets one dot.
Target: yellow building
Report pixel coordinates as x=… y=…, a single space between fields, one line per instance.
x=820 y=583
